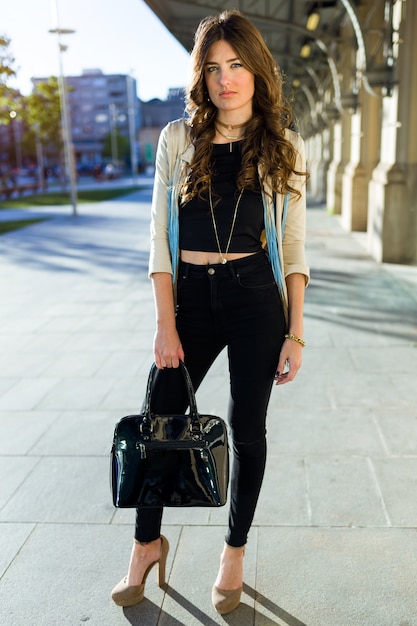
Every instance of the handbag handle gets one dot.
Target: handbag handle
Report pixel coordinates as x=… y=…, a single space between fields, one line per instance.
x=195 y=425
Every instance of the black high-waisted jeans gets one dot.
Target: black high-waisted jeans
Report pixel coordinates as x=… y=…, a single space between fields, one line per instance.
x=235 y=305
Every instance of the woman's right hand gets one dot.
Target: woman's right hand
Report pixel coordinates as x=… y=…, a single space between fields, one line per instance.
x=167 y=348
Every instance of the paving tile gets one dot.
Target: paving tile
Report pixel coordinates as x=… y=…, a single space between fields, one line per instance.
x=12 y=538
x=62 y=323
x=7 y=383
x=313 y=361
x=124 y=393
x=71 y=365
x=46 y=342
x=73 y=310
x=406 y=386
x=23 y=324
x=108 y=323
x=20 y=430
x=391 y=360
x=64 y=489
x=343 y=492
x=24 y=364
x=119 y=306
x=12 y=342
x=397 y=478
x=7 y=310
x=125 y=364
x=306 y=390
x=336 y=577
x=78 y=433
x=366 y=389
x=98 y=341
x=283 y=499
x=76 y=393
x=324 y=431
x=26 y=394
x=14 y=470
x=398 y=430
x=213 y=396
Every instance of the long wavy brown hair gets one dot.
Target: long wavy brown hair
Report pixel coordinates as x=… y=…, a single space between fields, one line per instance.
x=264 y=142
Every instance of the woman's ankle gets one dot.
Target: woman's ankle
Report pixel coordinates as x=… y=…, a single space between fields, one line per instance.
x=227 y=546
x=230 y=574
x=142 y=555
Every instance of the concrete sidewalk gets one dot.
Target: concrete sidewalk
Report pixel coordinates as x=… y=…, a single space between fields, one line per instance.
x=334 y=541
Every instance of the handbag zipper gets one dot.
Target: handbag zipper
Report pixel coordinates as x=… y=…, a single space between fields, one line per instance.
x=170 y=444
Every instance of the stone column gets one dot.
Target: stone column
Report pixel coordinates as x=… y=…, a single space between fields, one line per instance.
x=313 y=161
x=348 y=71
x=335 y=142
x=323 y=164
x=366 y=123
x=345 y=146
x=354 y=186
x=392 y=220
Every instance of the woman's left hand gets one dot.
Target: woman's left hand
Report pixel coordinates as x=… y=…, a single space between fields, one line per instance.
x=289 y=362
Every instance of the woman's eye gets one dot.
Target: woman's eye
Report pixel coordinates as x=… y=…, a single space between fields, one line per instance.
x=212 y=68
x=237 y=65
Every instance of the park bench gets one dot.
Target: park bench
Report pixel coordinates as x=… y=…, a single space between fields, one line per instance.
x=19 y=189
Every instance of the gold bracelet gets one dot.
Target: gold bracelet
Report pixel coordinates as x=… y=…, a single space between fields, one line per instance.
x=295 y=338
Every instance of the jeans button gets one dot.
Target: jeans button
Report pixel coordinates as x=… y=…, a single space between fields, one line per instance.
x=211 y=271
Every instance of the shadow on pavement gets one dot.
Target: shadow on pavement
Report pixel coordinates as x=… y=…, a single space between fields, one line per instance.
x=150 y=614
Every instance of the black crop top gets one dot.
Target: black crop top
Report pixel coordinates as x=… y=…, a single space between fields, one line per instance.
x=196 y=230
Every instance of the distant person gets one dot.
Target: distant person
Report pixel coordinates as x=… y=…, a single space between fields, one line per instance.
x=98 y=172
x=222 y=274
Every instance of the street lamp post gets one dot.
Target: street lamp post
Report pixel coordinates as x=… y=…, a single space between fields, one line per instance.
x=66 y=125
x=113 y=135
x=17 y=140
x=131 y=97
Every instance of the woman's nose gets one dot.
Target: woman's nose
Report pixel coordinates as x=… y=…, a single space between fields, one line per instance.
x=224 y=77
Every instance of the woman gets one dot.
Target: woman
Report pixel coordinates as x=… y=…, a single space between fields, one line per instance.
x=222 y=274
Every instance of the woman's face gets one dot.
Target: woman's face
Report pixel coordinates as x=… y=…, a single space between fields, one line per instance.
x=230 y=85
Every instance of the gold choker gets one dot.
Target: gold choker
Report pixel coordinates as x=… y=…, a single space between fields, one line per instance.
x=231 y=126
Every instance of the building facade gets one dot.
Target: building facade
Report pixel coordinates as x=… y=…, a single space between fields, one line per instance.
x=102 y=108
x=155 y=114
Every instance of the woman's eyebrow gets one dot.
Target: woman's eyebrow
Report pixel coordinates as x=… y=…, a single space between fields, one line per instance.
x=216 y=63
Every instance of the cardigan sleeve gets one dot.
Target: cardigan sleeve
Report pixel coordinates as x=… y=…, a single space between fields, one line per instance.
x=160 y=257
x=293 y=244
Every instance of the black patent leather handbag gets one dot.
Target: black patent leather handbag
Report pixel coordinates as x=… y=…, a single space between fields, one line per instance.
x=169 y=460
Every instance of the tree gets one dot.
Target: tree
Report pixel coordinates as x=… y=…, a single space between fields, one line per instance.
x=7 y=94
x=116 y=146
x=42 y=111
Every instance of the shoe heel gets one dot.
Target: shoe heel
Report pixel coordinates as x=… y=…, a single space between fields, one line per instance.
x=161 y=569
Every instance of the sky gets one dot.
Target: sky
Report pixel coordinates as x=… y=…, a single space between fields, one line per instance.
x=116 y=36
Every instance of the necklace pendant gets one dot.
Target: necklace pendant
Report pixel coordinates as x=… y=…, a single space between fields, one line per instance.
x=223 y=261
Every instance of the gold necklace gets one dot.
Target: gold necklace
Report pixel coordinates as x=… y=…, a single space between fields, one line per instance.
x=223 y=260
x=230 y=137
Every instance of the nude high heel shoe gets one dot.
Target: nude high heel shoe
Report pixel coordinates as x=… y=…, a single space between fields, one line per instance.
x=226 y=601
x=129 y=595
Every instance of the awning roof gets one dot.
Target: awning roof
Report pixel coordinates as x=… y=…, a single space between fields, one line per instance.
x=324 y=66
